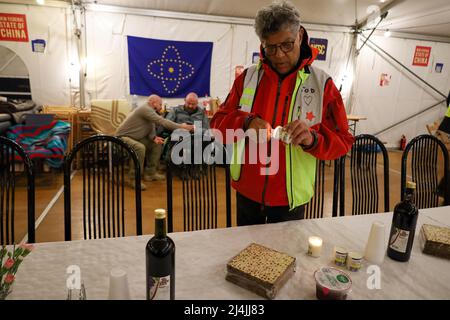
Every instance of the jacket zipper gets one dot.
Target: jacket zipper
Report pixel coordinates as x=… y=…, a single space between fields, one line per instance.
x=269 y=146
x=284 y=110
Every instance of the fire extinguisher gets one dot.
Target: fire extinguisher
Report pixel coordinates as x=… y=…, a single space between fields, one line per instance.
x=403 y=142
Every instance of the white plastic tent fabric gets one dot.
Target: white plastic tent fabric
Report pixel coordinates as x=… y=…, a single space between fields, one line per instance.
x=54 y=74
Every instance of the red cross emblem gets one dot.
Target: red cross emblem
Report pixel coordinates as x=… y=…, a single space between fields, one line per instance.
x=310 y=115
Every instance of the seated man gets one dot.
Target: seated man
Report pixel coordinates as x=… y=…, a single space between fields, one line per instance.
x=138 y=130
x=189 y=113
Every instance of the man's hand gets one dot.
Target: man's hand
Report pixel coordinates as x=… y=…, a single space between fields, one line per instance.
x=188 y=127
x=256 y=125
x=158 y=140
x=300 y=133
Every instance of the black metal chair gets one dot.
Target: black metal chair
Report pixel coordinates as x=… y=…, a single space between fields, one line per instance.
x=12 y=154
x=199 y=188
x=364 y=176
x=102 y=160
x=315 y=207
x=424 y=170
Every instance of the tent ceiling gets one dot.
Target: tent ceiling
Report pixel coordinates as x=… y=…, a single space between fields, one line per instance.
x=430 y=17
x=425 y=17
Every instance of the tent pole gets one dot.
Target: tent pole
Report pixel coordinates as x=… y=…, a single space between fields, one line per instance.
x=405 y=67
x=80 y=34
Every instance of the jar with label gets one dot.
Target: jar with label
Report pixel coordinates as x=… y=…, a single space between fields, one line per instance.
x=354 y=261
x=332 y=284
x=340 y=256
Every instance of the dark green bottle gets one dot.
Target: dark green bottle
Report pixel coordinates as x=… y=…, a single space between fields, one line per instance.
x=160 y=262
x=403 y=226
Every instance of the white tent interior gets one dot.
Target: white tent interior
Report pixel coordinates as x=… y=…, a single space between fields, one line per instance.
x=91 y=36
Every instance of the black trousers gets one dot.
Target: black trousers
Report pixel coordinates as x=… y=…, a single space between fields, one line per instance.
x=250 y=212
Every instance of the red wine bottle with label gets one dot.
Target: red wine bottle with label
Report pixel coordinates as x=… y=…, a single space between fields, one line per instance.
x=403 y=226
x=160 y=262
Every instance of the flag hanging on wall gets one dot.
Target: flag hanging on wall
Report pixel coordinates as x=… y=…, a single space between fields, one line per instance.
x=169 y=69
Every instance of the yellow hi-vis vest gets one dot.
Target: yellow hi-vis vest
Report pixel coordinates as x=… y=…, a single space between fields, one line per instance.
x=306 y=105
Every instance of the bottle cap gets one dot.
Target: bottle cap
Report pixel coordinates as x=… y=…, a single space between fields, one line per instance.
x=410 y=185
x=160 y=213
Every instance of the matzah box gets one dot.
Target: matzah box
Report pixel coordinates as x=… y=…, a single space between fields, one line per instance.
x=435 y=240
x=261 y=270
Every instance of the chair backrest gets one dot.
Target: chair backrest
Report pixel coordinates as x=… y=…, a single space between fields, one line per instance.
x=364 y=178
x=201 y=189
x=105 y=202
x=315 y=207
x=11 y=155
x=425 y=170
x=107 y=115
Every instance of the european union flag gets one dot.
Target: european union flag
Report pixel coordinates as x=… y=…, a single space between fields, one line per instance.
x=169 y=68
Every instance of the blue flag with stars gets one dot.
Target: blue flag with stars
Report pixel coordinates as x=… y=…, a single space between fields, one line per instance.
x=169 y=69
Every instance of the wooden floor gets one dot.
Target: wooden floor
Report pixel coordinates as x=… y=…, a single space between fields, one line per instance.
x=50 y=203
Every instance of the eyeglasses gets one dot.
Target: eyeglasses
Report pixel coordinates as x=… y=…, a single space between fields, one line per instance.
x=286 y=47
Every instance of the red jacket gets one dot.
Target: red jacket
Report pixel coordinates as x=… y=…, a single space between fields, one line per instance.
x=334 y=139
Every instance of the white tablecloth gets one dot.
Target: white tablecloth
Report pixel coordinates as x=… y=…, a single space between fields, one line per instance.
x=201 y=259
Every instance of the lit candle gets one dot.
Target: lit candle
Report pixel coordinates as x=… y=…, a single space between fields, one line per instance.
x=314 y=246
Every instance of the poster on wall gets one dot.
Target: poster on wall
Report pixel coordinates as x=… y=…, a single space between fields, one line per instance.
x=321 y=45
x=38 y=45
x=238 y=70
x=13 y=27
x=438 y=67
x=421 y=56
x=385 y=79
x=255 y=57
x=169 y=69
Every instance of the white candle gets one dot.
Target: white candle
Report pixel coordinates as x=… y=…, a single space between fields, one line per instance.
x=314 y=246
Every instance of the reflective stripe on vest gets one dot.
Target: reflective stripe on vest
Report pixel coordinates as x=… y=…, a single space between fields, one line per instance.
x=307 y=106
x=251 y=81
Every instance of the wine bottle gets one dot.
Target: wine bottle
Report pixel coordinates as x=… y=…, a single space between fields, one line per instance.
x=160 y=262
x=403 y=226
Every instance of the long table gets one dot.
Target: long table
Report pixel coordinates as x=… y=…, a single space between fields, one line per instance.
x=201 y=259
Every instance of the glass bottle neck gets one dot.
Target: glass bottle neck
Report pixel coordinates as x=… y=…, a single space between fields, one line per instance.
x=160 y=228
x=409 y=194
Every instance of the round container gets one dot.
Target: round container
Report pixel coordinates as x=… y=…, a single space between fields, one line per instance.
x=340 y=256
x=354 y=261
x=281 y=134
x=332 y=284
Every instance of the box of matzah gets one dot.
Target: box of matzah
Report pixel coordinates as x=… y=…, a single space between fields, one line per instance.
x=435 y=240
x=261 y=270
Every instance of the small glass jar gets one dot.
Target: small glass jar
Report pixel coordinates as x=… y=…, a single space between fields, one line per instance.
x=340 y=256
x=281 y=134
x=354 y=261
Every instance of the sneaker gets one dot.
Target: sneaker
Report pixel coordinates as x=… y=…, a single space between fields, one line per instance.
x=154 y=177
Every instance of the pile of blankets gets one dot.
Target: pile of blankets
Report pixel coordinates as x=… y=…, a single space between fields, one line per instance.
x=47 y=142
x=13 y=112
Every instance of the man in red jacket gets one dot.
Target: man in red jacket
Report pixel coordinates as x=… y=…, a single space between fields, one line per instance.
x=282 y=90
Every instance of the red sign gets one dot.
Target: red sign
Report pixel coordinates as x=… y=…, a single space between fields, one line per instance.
x=421 y=56
x=238 y=70
x=13 y=27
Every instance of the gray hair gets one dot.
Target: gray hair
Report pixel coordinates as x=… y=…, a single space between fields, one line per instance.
x=276 y=17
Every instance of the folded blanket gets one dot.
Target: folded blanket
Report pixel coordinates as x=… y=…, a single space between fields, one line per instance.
x=16 y=111
x=48 y=142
